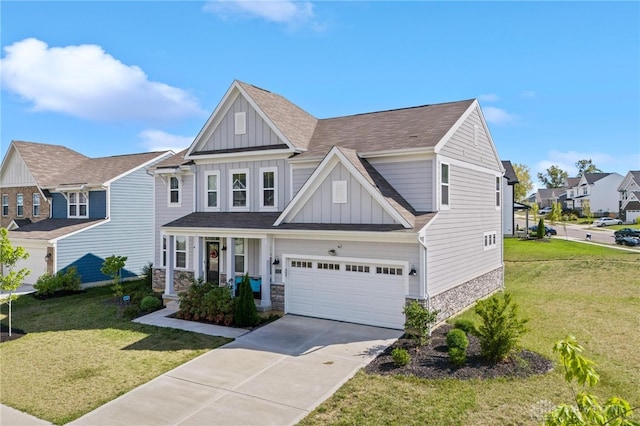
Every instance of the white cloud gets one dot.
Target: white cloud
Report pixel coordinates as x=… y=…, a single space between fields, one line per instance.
x=488 y=97
x=567 y=161
x=84 y=81
x=497 y=115
x=158 y=140
x=292 y=13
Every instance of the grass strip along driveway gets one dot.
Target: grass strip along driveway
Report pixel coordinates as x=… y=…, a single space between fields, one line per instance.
x=563 y=287
x=78 y=354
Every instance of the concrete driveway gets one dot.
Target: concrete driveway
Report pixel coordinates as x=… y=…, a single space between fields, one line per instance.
x=274 y=375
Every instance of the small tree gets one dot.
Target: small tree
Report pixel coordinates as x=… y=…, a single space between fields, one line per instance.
x=540 y=231
x=534 y=211
x=246 y=314
x=586 y=211
x=112 y=267
x=418 y=322
x=11 y=279
x=500 y=328
x=587 y=411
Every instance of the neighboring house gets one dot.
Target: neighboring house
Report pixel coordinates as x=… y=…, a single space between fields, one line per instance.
x=570 y=186
x=599 y=191
x=629 y=197
x=344 y=218
x=86 y=210
x=546 y=197
x=508 y=196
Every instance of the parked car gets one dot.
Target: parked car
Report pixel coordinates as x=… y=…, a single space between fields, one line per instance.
x=545 y=210
x=627 y=241
x=605 y=221
x=547 y=231
x=627 y=232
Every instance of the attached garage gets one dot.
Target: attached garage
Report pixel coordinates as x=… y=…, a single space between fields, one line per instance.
x=36 y=261
x=632 y=215
x=371 y=293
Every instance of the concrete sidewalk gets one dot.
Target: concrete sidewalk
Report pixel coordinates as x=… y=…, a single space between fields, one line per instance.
x=12 y=417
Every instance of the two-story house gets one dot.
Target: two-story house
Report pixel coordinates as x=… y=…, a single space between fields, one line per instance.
x=597 y=190
x=629 y=193
x=343 y=218
x=67 y=209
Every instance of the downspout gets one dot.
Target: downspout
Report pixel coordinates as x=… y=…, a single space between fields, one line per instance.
x=423 y=275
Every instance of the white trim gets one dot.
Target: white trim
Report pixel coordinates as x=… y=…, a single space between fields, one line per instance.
x=19 y=195
x=469 y=166
x=3 y=205
x=245 y=249
x=77 y=204
x=247 y=190
x=234 y=157
x=178 y=179
x=489 y=240
x=240 y=123
x=205 y=186
x=175 y=253
x=261 y=173
x=441 y=205
x=162 y=155
x=33 y=204
x=339 y=192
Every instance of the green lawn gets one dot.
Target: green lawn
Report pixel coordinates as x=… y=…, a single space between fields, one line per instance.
x=78 y=354
x=564 y=287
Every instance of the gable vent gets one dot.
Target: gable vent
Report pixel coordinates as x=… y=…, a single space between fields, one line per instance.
x=339 y=192
x=241 y=123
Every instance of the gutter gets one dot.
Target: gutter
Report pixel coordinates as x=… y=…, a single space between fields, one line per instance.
x=425 y=288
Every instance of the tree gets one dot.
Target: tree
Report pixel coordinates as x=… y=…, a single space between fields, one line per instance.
x=554 y=177
x=246 y=314
x=586 y=166
x=11 y=279
x=112 y=267
x=524 y=185
x=586 y=211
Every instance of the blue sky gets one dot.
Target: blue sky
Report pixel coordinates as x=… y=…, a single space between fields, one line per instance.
x=558 y=81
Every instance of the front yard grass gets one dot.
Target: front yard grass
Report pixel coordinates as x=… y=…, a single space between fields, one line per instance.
x=564 y=288
x=78 y=354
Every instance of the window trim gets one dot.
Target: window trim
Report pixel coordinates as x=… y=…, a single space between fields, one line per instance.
x=185 y=251
x=77 y=204
x=339 y=192
x=208 y=208
x=5 y=204
x=247 y=190
x=443 y=184
x=178 y=190
x=490 y=240
x=240 y=123
x=19 y=205
x=35 y=197
x=163 y=250
x=498 y=192
x=264 y=170
x=243 y=255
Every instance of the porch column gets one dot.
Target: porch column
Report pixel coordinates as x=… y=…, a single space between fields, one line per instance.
x=265 y=272
x=168 y=276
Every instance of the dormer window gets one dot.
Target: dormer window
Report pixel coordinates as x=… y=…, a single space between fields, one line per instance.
x=78 y=204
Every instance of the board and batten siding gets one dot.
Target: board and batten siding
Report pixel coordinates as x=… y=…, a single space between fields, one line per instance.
x=16 y=173
x=464 y=146
x=455 y=239
x=381 y=251
x=412 y=179
x=129 y=232
x=164 y=213
x=254 y=178
x=258 y=131
x=360 y=208
x=299 y=177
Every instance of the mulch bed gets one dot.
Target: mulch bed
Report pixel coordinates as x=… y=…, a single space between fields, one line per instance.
x=56 y=294
x=432 y=361
x=16 y=333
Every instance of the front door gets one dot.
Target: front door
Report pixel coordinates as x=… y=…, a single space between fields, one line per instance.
x=213 y=262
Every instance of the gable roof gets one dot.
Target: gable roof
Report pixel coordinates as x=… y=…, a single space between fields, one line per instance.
x=509 y=173
x=636 y=175
x=550 y=193
x=50 y=229
x=592 y=178
x=571 y=182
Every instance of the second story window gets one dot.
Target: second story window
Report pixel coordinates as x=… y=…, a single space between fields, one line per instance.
x=585 y=191
x=5 y=205
x=174 y=190
x=78 y=205
x=36 y=204
x=498 y=191
x=239 y=189
x=268 y=189
x=212 y=191
x=444 y=186
x=19 y=205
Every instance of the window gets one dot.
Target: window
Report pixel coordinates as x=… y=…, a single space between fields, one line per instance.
x=174 y=190
x=357 y=268
x=181 y=252
x=240 y=123
x=212 y=191
x=239 y=255
x=388 y=271
x=339 y=192
x=19 y=205
x=490 y=240
x=498 y=181
x=36 y=204
x=444 y=187
x=301 y=264
x=268 y=189
x=77 y=204
x=239 y=189
x=329 y=266
x=585 y=191
x=5 y=205
x=163 y=261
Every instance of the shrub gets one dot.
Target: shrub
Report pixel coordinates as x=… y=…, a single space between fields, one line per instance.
x=466 y=325
x=218 y=305
x=638 y=220
x=500 y=328
x=131 y=312
x=457 y=356
x=540 y=231
x=418 y=322
x=150 y=303
x=457 y=338
x=70 y=279
x=46 y=284
x=246 y=314
x=400 y=357
x=191 y=300
x=147 y=275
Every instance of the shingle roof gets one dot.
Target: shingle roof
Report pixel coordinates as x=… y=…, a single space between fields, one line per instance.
x=509 y=173
x=296 y=124
x=594 y=177
x=636 y=175
x=51 y=228
x=572 y=182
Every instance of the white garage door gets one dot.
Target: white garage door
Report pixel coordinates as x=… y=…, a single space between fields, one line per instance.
x=363 y=293
x=36 y=262
x=632 y=215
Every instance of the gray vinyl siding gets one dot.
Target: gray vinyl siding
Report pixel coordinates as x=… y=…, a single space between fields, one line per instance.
x=258 y=132
x=461 y=145
x=254 y=177
x=353 y=249
x=16 y=173
x=360 y=207
x=412 y=179
x=300 y=176
x=165 y=214
x=128 y=233
x=455 y=242
x=58 y=206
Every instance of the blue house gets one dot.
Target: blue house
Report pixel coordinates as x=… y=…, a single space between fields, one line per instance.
x=67 y=209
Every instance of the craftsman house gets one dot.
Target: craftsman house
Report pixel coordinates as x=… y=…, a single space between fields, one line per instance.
x=629 y=193
x=67 y=209
x=343 y=218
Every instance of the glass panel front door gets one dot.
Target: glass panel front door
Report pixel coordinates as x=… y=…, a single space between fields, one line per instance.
x=213 y=262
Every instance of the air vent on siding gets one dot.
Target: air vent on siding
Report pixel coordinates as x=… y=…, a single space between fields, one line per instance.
x=339 y=191
x=241 y=123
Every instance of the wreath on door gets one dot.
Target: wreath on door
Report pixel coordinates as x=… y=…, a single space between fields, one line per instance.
x=214 y=254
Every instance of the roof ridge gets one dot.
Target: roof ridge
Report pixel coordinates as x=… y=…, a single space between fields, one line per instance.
x=397 y=109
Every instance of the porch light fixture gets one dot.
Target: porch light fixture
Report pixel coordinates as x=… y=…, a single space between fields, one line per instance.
x=224 y=248
x=276 y=261
x=47 y=257
x=332 y=252
x=413 y=271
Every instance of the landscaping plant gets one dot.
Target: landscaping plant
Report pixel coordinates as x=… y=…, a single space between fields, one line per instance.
x=587 y=410
x=246 y=314
x=11 y=279
x=112 y=267
x=540 y=231
x=67 y=280
x=400 y=357
x=466 y=325
x=150 y=303
x=500 y=328
x=207 y=301
x=418 y=322
x=457 y=343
